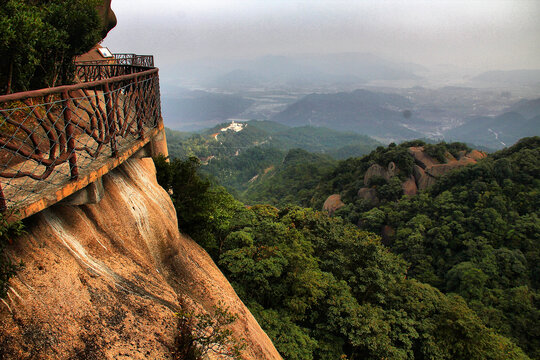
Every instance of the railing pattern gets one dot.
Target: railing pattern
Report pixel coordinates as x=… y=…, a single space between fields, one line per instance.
x=50 y=136
x=146 y=61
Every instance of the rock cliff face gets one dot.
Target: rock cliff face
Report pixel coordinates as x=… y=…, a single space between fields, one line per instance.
x=426 y=171
x=102 y=281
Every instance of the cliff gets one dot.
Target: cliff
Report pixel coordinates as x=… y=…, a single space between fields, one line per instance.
x=102 y=281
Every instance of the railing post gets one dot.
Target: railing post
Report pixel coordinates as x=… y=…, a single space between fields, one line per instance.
x=139 y=109
x=70 y=135
x=3 y=205
x=110 y=119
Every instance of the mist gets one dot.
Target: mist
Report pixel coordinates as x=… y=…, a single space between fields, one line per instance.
x=481 y=35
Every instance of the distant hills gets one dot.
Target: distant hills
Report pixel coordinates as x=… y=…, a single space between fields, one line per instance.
x=220 y=141
x=313 y=70
x=192 y=110
x=238 y=154
x=519 y=120
x=361 y=111
x=525 y=77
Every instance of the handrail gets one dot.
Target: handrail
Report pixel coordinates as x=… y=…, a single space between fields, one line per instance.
x=51 y=136
x=84 y=85
x=123 y=59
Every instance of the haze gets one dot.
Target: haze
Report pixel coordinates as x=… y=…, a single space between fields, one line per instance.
x=482 y=35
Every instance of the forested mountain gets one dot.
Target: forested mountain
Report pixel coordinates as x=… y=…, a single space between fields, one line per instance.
x=527 y=108
x=454 y=273
x=242 y=152
x=475 y=231
x=362 y=111
x=191 y=109
x=500 y=131
x=456 y=276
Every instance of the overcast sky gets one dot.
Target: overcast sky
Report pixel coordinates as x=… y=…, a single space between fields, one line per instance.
x=482 y=34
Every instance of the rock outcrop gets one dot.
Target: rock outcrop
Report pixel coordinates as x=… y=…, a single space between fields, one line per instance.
x=425 y=173
x=409 y=186
x=103 y=281
x=377 y=170
x=333 y=203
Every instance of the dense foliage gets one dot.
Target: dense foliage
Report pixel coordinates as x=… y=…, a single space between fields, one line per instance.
x=240 y=160
x=290 y=182
x=40 y=38
x=322 y=288
x=8 y=232
x=477 y=233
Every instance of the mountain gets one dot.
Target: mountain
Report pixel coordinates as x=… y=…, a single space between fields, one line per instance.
x=289 y=182
x=191 y=110
x=237 y=153
x=496 y=132
x=361 y=111
x=527 y=108
x=524 y=77
x=313 y=70
x=363 y=65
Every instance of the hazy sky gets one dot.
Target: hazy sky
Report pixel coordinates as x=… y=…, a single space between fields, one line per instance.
x=484 y=34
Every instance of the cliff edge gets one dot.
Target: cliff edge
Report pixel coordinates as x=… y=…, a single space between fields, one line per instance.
x=102 y=281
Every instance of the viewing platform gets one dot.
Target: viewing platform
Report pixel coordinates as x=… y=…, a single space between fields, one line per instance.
x=54 y=142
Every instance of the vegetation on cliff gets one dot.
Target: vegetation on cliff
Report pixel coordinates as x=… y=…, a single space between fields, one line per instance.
x=322 y=287
x=8 y=232
x=39 y=40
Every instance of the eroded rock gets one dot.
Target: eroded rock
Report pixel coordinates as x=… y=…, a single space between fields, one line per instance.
x=333 y=203
x=409 y=186
x=369 y=194
x=102 y=281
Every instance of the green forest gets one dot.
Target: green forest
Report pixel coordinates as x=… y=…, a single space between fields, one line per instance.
x=450 y=273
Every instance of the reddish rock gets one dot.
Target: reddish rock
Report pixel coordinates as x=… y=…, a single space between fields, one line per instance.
x=387 y=234
x=421 y=158
x=377 y=170
x=461 y=154
x=409 y=186
x=333 y=203
x=369 y=194
x=423 y=180
x=476 y=155
x=102 y=281
x=449 y=157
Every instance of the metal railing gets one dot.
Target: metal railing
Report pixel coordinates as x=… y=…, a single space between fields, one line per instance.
x=51 y=136
x=123 y=59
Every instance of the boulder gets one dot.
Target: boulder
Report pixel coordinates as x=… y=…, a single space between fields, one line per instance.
x=369 y=194
x=423 y=180
x=333 y=203
x=377 y=170
x=421 y=158
x=409 y=186
x=387 y=234
x=476 y=155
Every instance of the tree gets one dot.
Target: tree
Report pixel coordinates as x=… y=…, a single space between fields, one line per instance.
x=40 y=39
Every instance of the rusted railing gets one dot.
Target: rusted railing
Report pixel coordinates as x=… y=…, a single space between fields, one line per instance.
x=123 y=59
x=51 y=136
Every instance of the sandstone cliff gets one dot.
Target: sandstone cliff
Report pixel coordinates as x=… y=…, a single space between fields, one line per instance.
x=102 y=281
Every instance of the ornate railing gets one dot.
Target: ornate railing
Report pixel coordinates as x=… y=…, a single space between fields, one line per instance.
x=123 y=59
x=51 y=136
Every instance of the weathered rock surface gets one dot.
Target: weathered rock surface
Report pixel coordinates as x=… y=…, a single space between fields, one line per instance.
x=102 y=281
x=332 y=203
x=369 y=194
x=421 y=158
x=377 y=170
x=409 y=186
x=427 y=170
